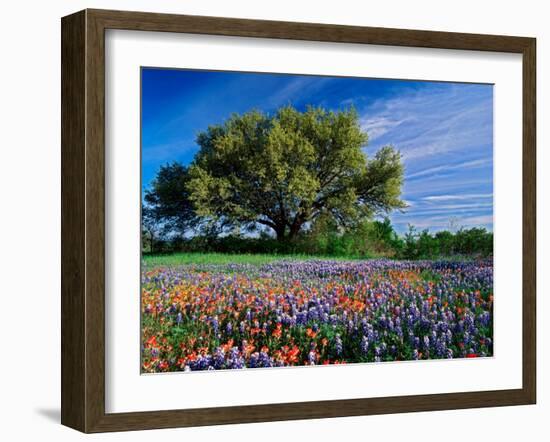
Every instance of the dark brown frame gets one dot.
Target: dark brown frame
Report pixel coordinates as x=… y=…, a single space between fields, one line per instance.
x=83 y=216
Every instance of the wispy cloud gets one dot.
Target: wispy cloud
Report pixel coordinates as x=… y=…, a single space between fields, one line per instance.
x=445 y=135
x=451 y=167
x=457 y=197
x=447 y=222
x=380 y=125
x=431 y=121
x=296 y=90
x=458 y=185
x=467 y=206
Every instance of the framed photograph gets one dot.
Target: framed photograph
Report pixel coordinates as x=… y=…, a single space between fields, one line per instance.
x=266 y=221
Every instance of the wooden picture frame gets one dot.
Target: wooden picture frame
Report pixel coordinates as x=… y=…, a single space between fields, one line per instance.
x=83 y=220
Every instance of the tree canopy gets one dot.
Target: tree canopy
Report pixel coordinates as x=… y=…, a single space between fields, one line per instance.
x=287 y=169
x=168 y=207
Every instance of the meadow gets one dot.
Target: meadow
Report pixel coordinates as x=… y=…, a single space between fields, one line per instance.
x=196 y=258
x=214 y=311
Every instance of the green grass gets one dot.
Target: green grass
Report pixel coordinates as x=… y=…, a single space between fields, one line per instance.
x=199 y=258
x=224 y=258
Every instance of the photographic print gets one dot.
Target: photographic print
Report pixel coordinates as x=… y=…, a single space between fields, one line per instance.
x=303 y=220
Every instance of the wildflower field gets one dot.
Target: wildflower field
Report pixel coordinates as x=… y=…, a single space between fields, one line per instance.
x=238 y=312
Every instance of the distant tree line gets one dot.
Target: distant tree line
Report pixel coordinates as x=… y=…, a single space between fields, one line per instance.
x=369 y=239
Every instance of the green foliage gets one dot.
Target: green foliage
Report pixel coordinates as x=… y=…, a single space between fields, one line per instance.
x=446 y=242
x=379 y=188
x=465 y=242
x=287 y=170
x=475 y=240
x=167 y=207
x=325 y=238
x=364 y=239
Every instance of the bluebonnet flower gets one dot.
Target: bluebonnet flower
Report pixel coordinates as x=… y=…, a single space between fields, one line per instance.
x=235 y=359
x=364 y=345
x=440 y=347
x=426 y=342
x=253 y=361
x=449 y=336
x=264 y=360
x=301 y=318
x=215 y=324
x=218 y=359
x=338 y=347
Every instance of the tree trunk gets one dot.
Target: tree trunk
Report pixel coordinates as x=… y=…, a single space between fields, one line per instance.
x=280 y=231
x=294 y=230
x=282 y=235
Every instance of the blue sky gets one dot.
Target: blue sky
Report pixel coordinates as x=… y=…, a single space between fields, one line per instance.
x=443 y=130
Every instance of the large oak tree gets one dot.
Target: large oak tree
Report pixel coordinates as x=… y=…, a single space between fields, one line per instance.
x=287 y=169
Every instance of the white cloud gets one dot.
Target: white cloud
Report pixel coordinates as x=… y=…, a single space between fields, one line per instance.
x=296 y=88
x=434 y=121
x=375 y=127
x=457 y=197
x=445 y=222
x=451 y=167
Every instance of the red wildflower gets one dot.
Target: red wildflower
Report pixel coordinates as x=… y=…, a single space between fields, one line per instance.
x=310 y=333
x=278 y=331
x=163 y=365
